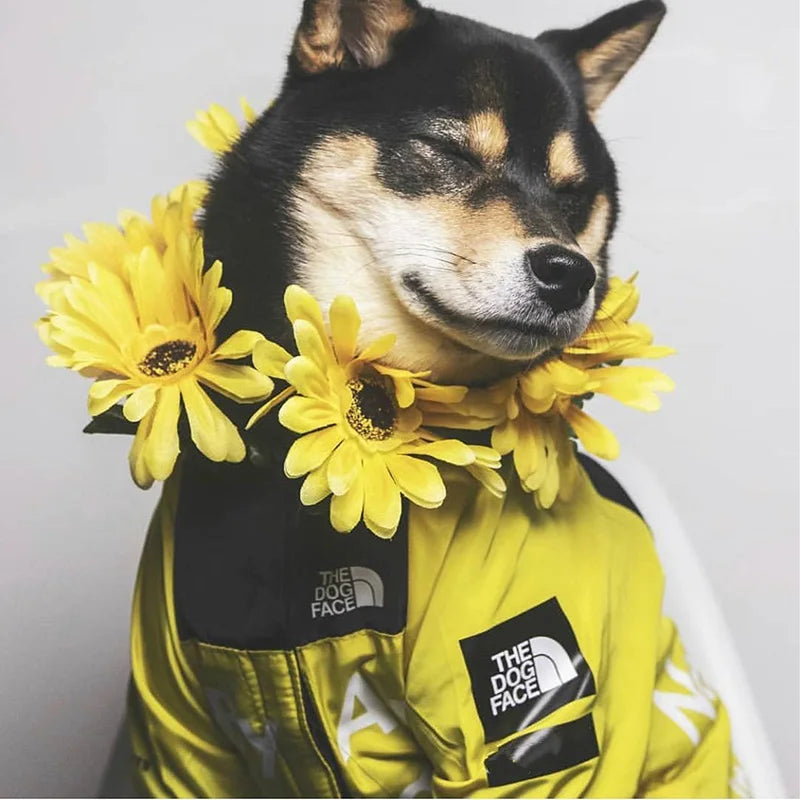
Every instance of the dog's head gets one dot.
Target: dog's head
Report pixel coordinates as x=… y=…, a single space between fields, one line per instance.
x=445 y=174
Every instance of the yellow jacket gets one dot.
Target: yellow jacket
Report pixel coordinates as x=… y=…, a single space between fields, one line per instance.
x=489 y=650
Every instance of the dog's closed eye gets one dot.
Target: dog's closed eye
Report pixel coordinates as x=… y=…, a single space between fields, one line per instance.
x=447 y=148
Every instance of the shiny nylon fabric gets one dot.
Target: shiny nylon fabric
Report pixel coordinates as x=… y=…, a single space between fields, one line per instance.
x=398 y=715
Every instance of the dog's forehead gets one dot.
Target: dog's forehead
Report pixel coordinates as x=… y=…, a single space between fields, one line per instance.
x=494 y=67
x=480 y=86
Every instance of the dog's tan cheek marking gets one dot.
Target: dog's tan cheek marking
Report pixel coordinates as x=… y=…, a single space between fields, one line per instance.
x=487 y=135
x=592 y=238
x=341 y=171
x=563 y=162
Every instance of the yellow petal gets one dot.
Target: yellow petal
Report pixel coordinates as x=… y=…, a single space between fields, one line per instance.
x=418 y=480
x=239 y=345
x=404 y=392
x=209 y=437
x=547 y=493
x=235 y=450
x=139 y=471
x=104 y=394
x=345 y=324
x=450 y=451
x=537 y=385
x=148 y=289
x=441 y=394
x=162 y=448
x=378 y=349
x=458 y=421
x=567 y=379
x=76 y=334
x=140 y=402
x=267 y=407
x=548 y=488
x=307 y=378
x=346 y=509
x=504 y=437
x=408 y=420
x=225 y=121
x=489 y=479
x=305 y=414
x=538 y=405
x=634 y=386
x=315 y=487
x=270 y=358
x=310 y=344
x=344 y=467
x=308 y=452
x=594 y=436
x=529 y=452
x=486 y=456
x=208 y=137
x=301 y=305
x=236 y=381
x=382 y=504
x=250 y=115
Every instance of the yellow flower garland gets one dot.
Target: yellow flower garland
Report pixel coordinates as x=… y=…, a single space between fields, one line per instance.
x=132 y=308
x=533 y=413
x=361 y=439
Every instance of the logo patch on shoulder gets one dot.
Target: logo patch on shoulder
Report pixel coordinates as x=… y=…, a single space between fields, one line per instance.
x=524 y=668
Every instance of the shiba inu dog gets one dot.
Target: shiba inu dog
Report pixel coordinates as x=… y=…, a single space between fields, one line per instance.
x=450 y=178
x=447 y=175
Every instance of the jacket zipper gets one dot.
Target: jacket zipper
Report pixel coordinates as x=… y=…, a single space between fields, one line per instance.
x=318 y=735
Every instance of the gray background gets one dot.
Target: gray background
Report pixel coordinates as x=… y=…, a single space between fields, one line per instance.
x=94 y=99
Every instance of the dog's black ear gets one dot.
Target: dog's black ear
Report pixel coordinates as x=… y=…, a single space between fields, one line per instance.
x=604 y=50
x=350 y=33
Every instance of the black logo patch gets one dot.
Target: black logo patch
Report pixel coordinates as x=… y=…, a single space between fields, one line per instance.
x=524 y=668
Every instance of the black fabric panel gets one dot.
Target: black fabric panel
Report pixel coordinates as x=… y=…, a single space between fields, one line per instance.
x=606 y=484
x=250 y=562
x=543 y=752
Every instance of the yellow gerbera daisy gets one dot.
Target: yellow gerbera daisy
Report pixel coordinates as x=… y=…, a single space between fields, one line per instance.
x=116 y=248
x=148 y=335
x=361 y=439
x=217 y=129
x=532 y=414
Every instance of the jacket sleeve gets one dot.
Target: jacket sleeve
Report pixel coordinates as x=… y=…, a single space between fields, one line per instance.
x=689 y=748
x=180 y=749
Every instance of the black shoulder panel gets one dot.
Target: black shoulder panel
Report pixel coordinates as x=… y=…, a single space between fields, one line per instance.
x=255 y=570
x=606 y=484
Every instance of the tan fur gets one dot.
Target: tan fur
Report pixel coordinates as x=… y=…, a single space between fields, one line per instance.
x=563 y=163
x=364 y=29
x=604 y=66
x=487 y=135
x=317 y=44
x=359 y=237
x=592 y=238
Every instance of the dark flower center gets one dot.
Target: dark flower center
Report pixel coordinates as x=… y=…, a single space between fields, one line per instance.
x=372 y=414
x=168 y=358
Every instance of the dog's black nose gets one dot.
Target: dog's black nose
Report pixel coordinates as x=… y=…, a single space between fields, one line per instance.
x=564 y=278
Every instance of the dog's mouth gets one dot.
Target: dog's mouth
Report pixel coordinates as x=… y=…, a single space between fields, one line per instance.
x=523 y=333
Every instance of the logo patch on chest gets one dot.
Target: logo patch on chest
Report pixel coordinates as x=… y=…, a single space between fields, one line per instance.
x=346 y=589
x=524 y=668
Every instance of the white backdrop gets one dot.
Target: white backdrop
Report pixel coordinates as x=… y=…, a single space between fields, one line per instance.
x=94 y=98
